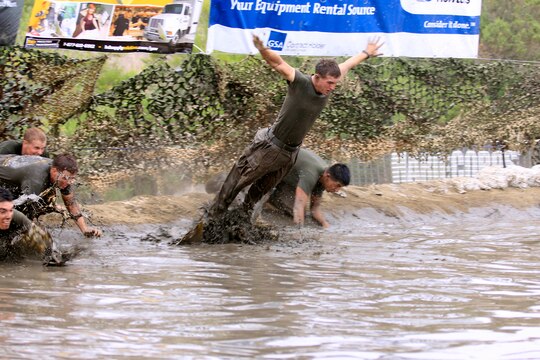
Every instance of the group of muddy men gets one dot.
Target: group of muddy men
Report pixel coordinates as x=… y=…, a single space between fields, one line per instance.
x=29 y=180
x=273 y=168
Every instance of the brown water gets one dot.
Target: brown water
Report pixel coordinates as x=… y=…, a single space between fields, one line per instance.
x=373 y=287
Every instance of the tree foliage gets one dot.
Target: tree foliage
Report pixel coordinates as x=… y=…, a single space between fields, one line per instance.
x=510 y=29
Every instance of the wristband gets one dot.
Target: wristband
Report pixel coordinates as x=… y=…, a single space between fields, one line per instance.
x=365 y=52
x=76 y=217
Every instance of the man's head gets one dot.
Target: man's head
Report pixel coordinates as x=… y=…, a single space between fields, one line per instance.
x=34 y=142
x=335 y=177
x=327 y=75
x=64 y=169
x=6 y=208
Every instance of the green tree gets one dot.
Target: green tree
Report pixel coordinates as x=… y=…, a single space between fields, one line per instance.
x=510 y=29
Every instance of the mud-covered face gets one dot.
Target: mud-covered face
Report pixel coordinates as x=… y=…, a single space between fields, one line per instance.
x=63 y=178
x=34 y=147
x=6 y=214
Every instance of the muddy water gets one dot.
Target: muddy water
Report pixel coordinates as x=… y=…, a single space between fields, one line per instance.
x=438 y=287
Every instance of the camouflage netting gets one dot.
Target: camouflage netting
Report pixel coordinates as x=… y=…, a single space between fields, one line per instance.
x=202 y=114
x=39 y=88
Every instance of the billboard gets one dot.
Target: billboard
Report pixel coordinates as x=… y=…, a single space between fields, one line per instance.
x=154 y=26
x=415 y=28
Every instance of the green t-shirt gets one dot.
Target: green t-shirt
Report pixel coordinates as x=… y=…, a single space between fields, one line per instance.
x=300 y=109
x=306 y=173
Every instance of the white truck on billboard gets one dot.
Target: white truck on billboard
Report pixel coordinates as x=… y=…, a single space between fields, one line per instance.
x=177 y=24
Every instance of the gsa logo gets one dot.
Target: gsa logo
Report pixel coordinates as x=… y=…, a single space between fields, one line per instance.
x=276 y=41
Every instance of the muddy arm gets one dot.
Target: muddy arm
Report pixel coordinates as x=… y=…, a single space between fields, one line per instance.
x=75 y=211
x=299 y=209
x=316 y=211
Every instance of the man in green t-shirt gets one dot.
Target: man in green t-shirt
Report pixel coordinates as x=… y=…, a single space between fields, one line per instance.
x=34 y=142
x=305 y=183
x=273 y=151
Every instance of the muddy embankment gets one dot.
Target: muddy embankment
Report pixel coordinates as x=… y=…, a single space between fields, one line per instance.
x=504 y=191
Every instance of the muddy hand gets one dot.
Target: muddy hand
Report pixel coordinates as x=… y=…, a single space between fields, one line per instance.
x=92 y=233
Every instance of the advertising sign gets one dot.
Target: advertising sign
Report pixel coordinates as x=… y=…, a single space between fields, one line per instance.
x=415 y=28
x=155 y=26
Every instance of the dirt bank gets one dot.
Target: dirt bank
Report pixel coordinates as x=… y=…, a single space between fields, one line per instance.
x=389 y=199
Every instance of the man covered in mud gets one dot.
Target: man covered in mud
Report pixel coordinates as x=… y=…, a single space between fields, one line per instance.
x=274 y=150
x=308 y=179
x=20 y=237
x=34 y=142
x=33 y=180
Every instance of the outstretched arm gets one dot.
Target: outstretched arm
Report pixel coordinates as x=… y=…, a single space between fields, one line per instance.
x=74 y=210
x=274 y=59
x=371 y=50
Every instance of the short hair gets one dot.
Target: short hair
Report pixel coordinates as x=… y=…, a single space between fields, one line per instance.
x=66 y=162
x=34 y=133
x=327 y=67
x=5 y=195
x=340 y=172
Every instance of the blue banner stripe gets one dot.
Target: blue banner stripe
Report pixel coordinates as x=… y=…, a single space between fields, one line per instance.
x=383 y=16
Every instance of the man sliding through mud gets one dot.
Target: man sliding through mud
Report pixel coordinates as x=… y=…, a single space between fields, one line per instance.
x=305 y=184
x=33 y=181
x=273 y=151
x=20 y=237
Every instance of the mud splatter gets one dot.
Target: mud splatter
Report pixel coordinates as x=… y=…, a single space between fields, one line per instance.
x=59 y=256
x=235 y=226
